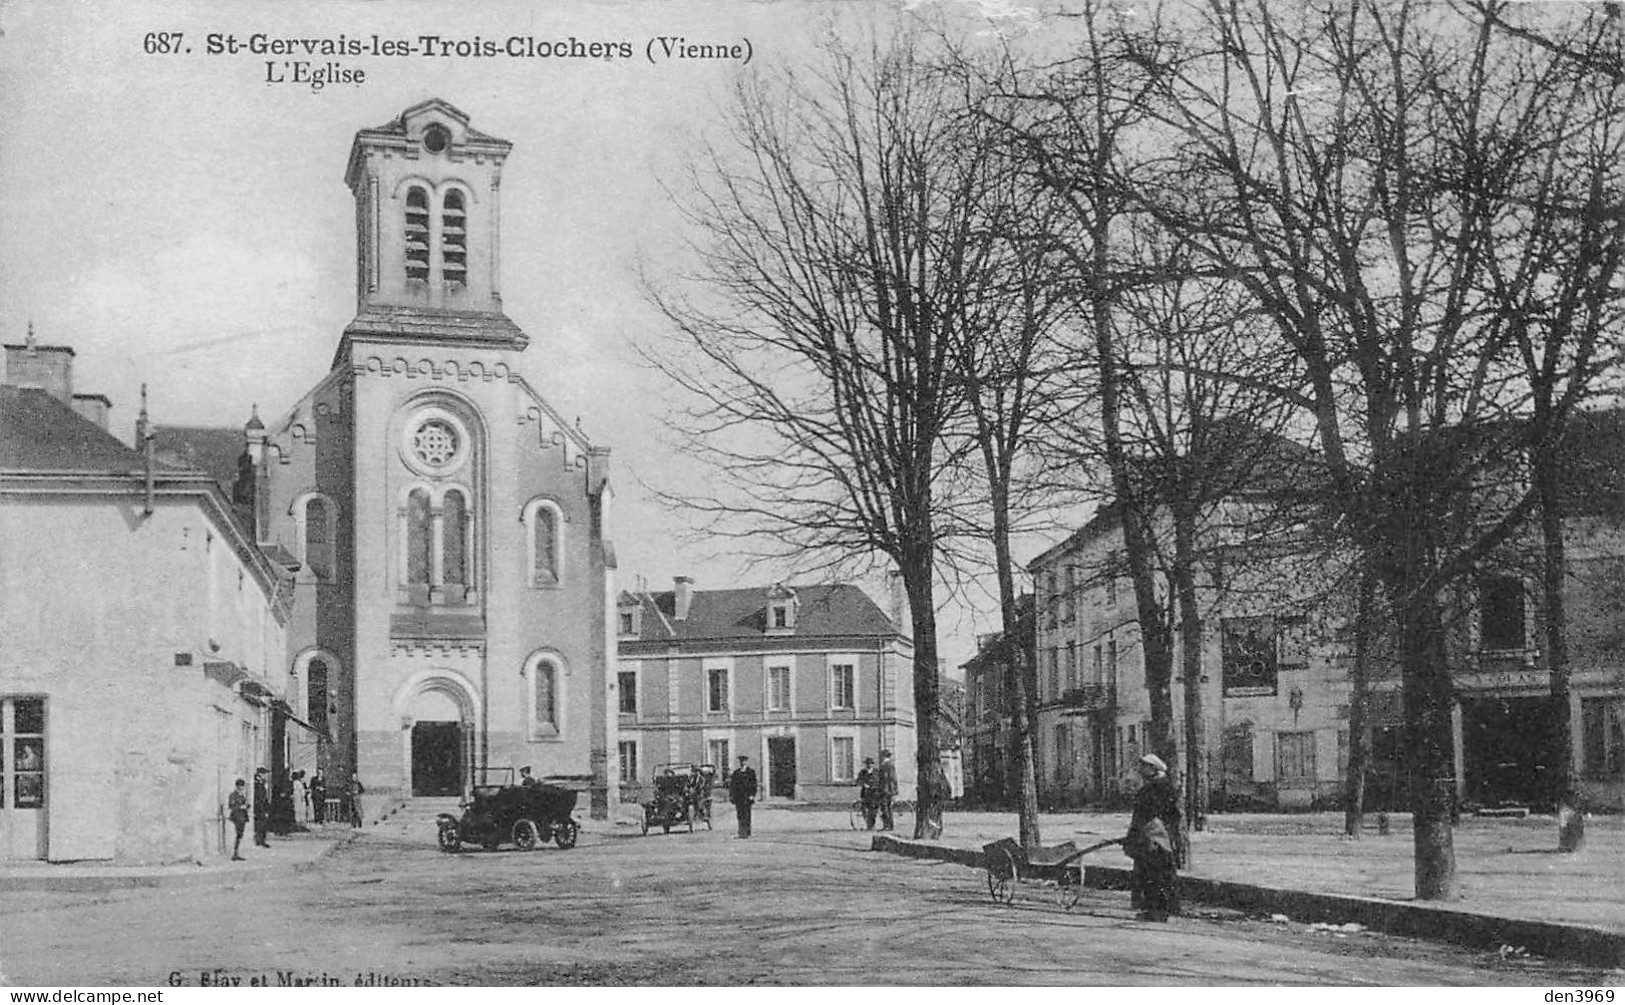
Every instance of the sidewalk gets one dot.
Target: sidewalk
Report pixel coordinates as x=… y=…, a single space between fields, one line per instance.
x=1509 y=871
x=295 y=851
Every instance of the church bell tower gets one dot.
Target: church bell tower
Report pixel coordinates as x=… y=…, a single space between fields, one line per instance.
x=427 y=188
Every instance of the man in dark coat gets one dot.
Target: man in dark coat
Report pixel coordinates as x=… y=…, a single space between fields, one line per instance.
x=887 y=774
x=869 y=792
x=262 y=808
x=237 y=813
x=1153 y=842
x=742 y=790
x=318 y=796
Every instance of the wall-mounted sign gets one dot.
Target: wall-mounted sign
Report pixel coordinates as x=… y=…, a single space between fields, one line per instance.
x=1250 y=663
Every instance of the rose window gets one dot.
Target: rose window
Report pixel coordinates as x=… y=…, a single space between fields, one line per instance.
x=435 y=443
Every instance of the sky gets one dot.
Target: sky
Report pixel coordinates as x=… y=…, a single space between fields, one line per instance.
x=181 y=220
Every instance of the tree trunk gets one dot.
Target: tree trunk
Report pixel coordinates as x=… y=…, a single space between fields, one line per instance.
x=917 y=582
x=1428 y=698
x=1190 y=627
x=1021 y=717
x=1354 y=792
x=1554 y=618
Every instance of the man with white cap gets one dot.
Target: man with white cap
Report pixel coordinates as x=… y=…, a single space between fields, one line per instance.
x=1153 y=842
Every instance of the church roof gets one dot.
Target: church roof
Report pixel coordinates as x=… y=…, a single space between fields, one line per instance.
x=38 y=432
x=840 y=609
x=214 y=449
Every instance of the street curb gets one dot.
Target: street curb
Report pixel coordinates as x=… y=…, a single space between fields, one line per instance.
x=162 y=876
x=1578 y=943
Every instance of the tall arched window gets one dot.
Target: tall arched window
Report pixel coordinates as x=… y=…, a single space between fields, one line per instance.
x=454 y=239
x=318 y=537
x=546 y=529
x=454 y=539
x=417 y=234
x=419 y=532
x=316 y=694
x=544 y=539
x=544 y=681
x=545 y=678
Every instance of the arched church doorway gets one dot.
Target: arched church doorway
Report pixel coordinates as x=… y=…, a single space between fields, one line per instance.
x=439 y=744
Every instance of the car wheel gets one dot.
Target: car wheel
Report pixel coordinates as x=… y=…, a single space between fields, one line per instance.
x=449 y=841
x=525 y=835
x=565 y=834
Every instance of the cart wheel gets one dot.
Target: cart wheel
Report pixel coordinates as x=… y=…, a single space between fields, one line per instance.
x=449 y=841
x=565 y=834
x=1001 y=879
x=525 y=834
x=1068 y=889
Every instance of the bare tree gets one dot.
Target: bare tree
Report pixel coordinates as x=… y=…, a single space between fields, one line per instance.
x=1351 y=164
x=841 y=248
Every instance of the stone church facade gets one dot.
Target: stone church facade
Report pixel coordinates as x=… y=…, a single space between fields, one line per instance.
x=447 y=526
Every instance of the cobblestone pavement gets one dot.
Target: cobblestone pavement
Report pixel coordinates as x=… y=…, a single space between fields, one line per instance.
x=802 y=902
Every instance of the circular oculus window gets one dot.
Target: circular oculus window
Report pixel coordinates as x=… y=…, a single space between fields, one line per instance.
x=436 y=139
x=434 y=442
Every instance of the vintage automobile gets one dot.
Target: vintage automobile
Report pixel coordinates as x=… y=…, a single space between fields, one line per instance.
x=682 y=797
x=503 y=813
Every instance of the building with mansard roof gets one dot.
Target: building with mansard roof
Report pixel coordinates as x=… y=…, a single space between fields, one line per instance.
x=807 y=681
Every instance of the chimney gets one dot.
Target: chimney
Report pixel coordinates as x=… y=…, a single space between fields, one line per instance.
x=47 y=367
x=682 y=596
x=93 y=407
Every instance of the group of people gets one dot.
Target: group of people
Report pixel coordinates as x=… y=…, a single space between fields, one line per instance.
x=877 y=787
x=285 y=806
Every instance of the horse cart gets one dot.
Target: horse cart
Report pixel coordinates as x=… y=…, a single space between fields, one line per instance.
x=504 y=813
x=682 y=797
x=1058 y=867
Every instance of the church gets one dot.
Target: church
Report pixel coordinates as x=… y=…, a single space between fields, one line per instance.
x=444 y=527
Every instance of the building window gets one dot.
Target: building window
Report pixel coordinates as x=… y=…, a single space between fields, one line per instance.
x=716 y=689
x=1071 y=665
x=454 y=539
x=716 y=754
x=316 y=685
x=318 y=526
x=629 y=760
x=1069 y=604
x=1111 y=579
x=781 y=616
x=1054 y=655
x=778 y=689
x=1063 y=753
x=1295 y=757
x=626 y=683
x=417 y=235
x=419 y=559
x=546 y=697
x=22 y=753
x=842 y=685
x=544 y=535
x=1501 y=612
x=843 y=758
x=454 y=239
x=627 y=622
x=1603 y=736
x=1110 y=679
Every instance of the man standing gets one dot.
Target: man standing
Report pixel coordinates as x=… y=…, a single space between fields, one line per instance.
x=318 y=796
x=262 y=808
x=888 y=789
x=237 y=813
x=869 y=792
x=742 y=790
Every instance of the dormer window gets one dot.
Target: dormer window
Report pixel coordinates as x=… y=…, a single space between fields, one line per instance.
x=417 y=235
x=629 y=617
x=454 y=239
x=781 y=610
